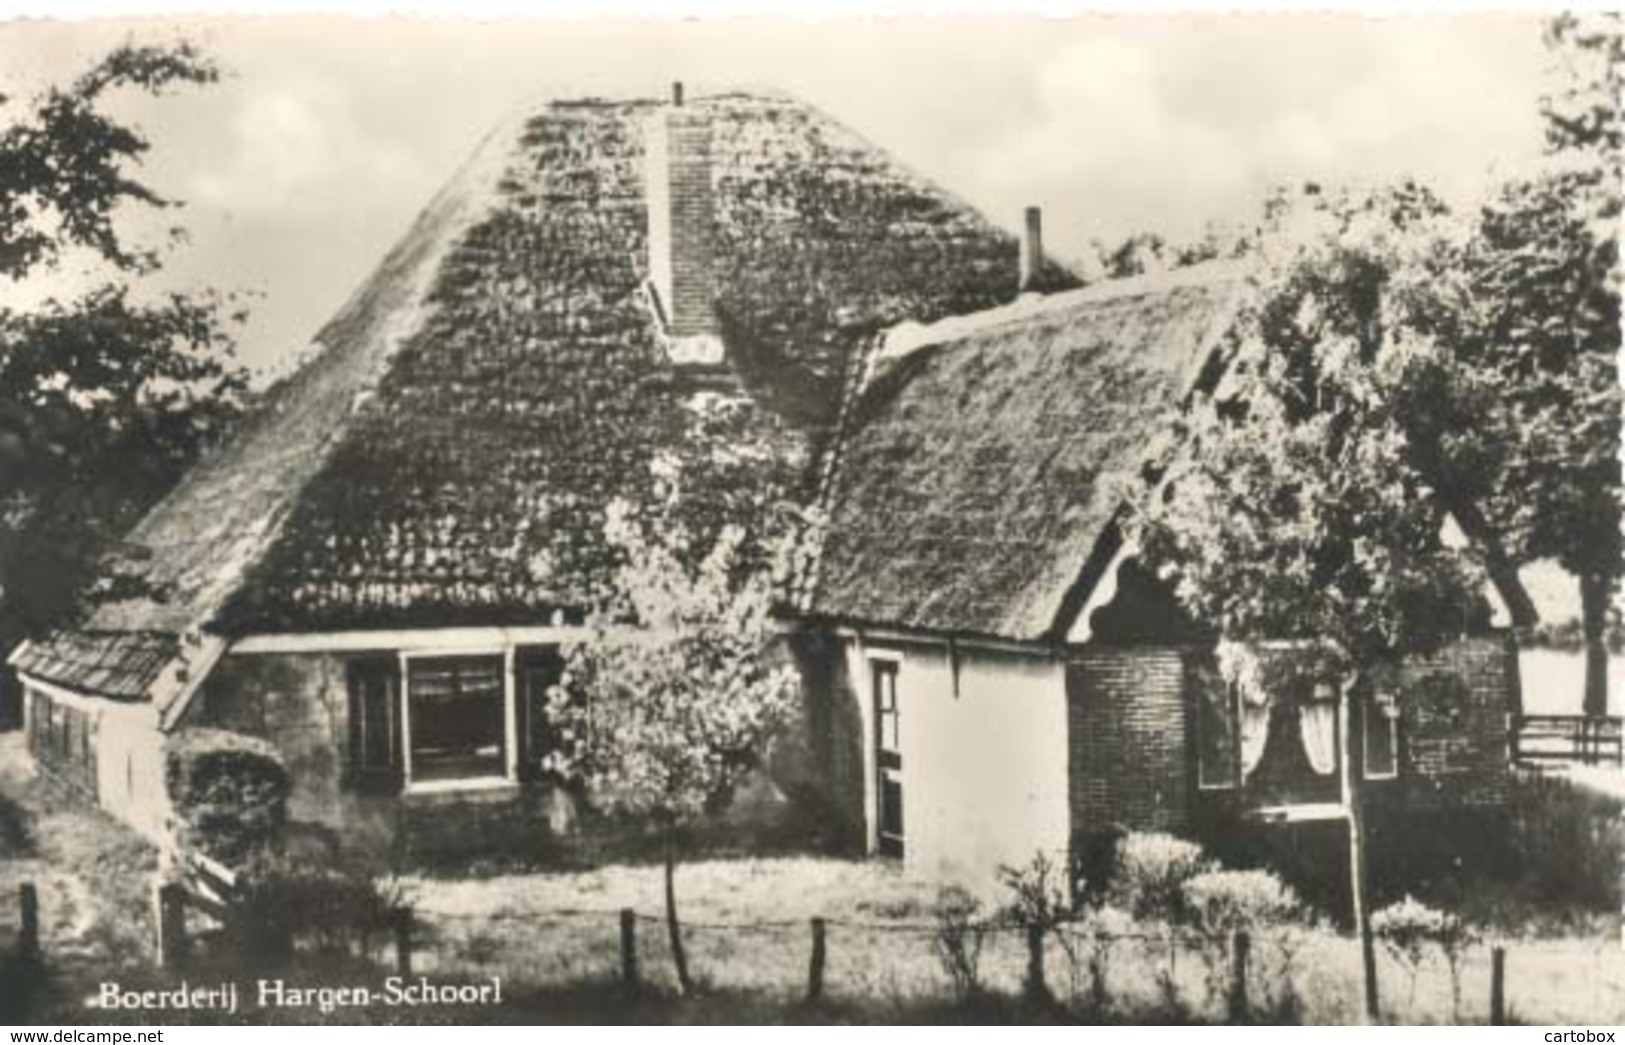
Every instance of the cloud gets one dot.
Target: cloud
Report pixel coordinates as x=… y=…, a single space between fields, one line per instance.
x=296 y=145
x=1144 y=127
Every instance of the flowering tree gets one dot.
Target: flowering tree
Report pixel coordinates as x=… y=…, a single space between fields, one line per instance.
x=1313 y=498
x=676 y=694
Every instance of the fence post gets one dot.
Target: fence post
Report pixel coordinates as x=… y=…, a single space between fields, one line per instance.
x=400 y=921
x=1498 y=987
x=1037 y=988
x=815 y=968
x=1241 y=947
x=629 y=947
x=169 y=911
x=28 y=938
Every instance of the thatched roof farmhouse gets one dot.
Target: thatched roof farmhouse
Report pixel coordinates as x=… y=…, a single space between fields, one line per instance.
x=377 y=573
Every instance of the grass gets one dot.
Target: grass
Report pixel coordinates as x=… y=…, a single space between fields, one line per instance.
x=554 y=938
x=91 y=874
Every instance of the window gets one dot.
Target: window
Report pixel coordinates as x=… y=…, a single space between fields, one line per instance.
x=1217 y=756
x=888 y=759
x=456 y=718
x=887 y=722
x=1382 y=737
x=375 y=735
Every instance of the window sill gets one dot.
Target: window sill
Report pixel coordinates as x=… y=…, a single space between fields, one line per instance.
x=441 y=787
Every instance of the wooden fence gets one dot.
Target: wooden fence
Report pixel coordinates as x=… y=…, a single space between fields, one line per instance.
x=1585 y=739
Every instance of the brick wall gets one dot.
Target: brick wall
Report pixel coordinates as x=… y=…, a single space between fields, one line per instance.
x=681 y=215
x=1453 y=732
x=1126 y=720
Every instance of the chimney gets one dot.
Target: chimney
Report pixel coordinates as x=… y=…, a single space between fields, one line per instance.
x=1032 y=249
x=678 y=159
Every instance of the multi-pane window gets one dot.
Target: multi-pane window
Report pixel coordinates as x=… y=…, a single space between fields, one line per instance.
x=1382 y=737
x=1217 y=757
x=62 y=739
x=888 y=758
x=456 y=714
x=375 y=727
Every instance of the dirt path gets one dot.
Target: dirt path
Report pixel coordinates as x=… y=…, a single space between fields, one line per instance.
x=91 y=874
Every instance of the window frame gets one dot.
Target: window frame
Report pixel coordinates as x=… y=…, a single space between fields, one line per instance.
x=1232 y=701
x=1371 y=710
x=508 y=776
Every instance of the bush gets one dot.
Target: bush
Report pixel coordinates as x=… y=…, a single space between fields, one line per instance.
x=230 y=792
x=1039 y=893
x=1410 y=930
x=1570 y=843
x=1217 y=903
x=1150 y=873
x=958 y=940
x=336 y=907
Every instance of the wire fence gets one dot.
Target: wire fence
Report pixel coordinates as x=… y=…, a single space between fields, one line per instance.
x=1288 y=973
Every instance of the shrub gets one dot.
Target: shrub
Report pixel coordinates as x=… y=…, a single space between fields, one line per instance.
x=958 y=939
x=1570 y=843
x=335 y=907
x=1217 y=903
x=1039 y=893
x=1411 y=929
x=1101 y=930
x=1150 y=873
x=230 y=791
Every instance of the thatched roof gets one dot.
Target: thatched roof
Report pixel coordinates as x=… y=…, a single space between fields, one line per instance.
x=446 y=456
x=986 y=458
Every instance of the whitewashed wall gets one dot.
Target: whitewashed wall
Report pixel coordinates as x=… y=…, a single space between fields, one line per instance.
x=984 y=763
x=129 y=758
x=130 y=767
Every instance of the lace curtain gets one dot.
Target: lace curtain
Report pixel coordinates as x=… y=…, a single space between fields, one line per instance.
x=1317 y=723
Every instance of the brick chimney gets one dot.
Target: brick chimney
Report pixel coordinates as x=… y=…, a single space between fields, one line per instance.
x=681 y=270
x=1032 y=250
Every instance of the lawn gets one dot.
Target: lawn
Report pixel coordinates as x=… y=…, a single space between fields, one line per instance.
x=91 y=874
x=747 y=932
x=554 y=938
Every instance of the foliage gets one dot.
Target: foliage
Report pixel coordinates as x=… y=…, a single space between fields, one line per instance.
x=670 y=703
x=1150 y=875
x=1219 y=903
x=1410 y=930
x=106 y=395
x=958 y=940
x=1101 y=929
x=333 y=906
x=230 y=791
x=1569 y=843
x=1040 y=894
x=673 y=699
x=1317 y=482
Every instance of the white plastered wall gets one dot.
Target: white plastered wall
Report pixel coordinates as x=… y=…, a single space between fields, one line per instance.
x=985 y=759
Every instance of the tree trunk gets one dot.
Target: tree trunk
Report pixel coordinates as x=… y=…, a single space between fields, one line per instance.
x=1594 y=619
x=678 y=956
x=1352 y=802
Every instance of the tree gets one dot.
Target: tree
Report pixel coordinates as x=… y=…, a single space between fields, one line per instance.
x=1309 y=499
x=673 y=699
x=106 y=395
x=1539 y=311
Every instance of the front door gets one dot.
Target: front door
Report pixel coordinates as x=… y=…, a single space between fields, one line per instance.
x=888 y=761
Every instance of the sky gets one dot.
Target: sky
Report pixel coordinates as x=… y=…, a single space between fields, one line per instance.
x=327 y=136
